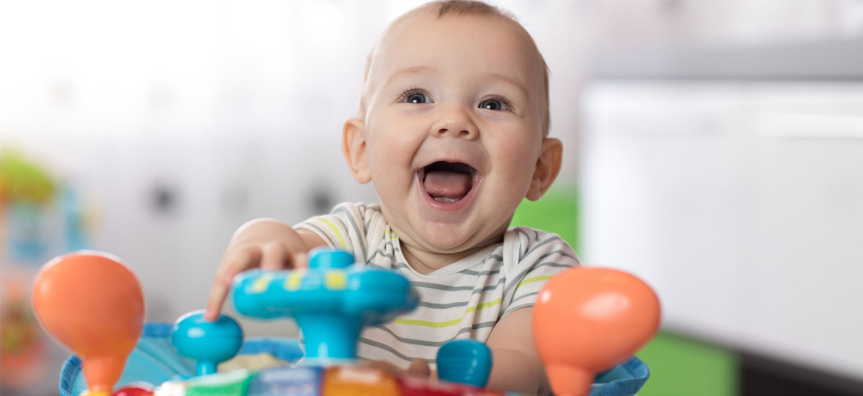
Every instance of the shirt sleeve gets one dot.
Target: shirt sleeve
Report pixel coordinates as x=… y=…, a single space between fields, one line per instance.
x=536 y=256
x=343 y=228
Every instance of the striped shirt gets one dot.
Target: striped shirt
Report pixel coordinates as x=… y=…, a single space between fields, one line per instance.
x=462 y=300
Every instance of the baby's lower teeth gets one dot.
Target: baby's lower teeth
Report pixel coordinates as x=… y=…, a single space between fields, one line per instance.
x=446 y=199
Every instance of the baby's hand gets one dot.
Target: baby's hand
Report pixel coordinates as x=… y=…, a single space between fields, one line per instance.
x=264 y=243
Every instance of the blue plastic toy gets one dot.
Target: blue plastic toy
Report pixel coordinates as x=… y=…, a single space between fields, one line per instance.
x=465 y=361
x=209 y=343
x=331 y=301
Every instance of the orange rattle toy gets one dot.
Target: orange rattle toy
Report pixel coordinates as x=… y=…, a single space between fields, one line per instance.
x=93 y=305
x=587 y=320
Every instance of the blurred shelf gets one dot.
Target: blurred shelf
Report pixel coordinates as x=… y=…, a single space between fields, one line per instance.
x=814 y=60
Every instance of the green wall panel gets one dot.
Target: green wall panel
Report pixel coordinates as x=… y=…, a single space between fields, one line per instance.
x=556 y=212
x=681 y=366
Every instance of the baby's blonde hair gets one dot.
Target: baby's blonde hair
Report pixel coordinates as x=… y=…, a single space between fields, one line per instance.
x=477 y=8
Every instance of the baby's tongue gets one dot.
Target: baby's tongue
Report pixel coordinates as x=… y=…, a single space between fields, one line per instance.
x=446 y=184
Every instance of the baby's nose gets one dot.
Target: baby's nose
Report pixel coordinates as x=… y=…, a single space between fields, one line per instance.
x=456 y=124
x=463 y=132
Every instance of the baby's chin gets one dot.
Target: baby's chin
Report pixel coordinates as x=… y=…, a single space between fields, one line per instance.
x=446 y=244
x=447 y=239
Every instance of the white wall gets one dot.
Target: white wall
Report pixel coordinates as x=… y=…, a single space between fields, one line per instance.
x=741 y=203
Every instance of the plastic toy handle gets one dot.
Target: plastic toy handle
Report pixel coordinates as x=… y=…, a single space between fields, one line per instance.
x=94 y=306
x=209 y=343
x=465 y=361
x=588 y=319
x=102 y=372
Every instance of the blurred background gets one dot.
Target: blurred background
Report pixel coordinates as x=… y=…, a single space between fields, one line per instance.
x=713 y=148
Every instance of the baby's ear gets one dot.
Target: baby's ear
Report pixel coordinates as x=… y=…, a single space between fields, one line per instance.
x=547 y=168
x=354 y=149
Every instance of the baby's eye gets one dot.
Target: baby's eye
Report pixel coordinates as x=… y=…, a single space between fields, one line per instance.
x=417 y=98
x=493 y=104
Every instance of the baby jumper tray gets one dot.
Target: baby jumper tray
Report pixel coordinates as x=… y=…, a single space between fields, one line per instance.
x=585 y=320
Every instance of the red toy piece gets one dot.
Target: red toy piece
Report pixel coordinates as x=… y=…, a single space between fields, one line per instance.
x=415 y=386
x=134 y=390
x=589 y=319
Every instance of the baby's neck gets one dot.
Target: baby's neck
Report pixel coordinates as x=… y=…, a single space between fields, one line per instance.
x=425 y=262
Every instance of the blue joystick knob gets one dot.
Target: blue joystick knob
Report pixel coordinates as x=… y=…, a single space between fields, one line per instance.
x=209 y=343
x=331 y=301
x=464 y=361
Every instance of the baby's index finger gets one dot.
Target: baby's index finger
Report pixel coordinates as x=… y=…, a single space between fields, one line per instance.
x=231 y=265
x=218 y=294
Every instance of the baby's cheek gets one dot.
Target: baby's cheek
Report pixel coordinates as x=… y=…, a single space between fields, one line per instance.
x=513 y=178
x=390 y=174
x=385 y=151
x=517 y=157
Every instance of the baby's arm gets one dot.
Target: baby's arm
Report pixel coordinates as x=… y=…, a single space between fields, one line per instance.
x=517 y=367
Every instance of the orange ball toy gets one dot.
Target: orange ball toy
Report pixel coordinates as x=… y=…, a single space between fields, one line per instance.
x=587 y=320
x=94 y=306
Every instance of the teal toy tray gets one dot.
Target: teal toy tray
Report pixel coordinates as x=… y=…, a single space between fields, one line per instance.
x=154 y=361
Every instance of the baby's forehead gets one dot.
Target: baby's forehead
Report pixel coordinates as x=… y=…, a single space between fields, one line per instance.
x=417 y=35
x=429 y=17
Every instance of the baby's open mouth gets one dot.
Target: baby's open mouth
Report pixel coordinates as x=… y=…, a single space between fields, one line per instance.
x=447 y=182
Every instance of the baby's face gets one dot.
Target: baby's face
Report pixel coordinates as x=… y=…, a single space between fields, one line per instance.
x=453 y=128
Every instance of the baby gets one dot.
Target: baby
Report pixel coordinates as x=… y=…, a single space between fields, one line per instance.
x=452 y=130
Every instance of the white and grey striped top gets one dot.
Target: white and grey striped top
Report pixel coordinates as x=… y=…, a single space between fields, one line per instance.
x=462 y=300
